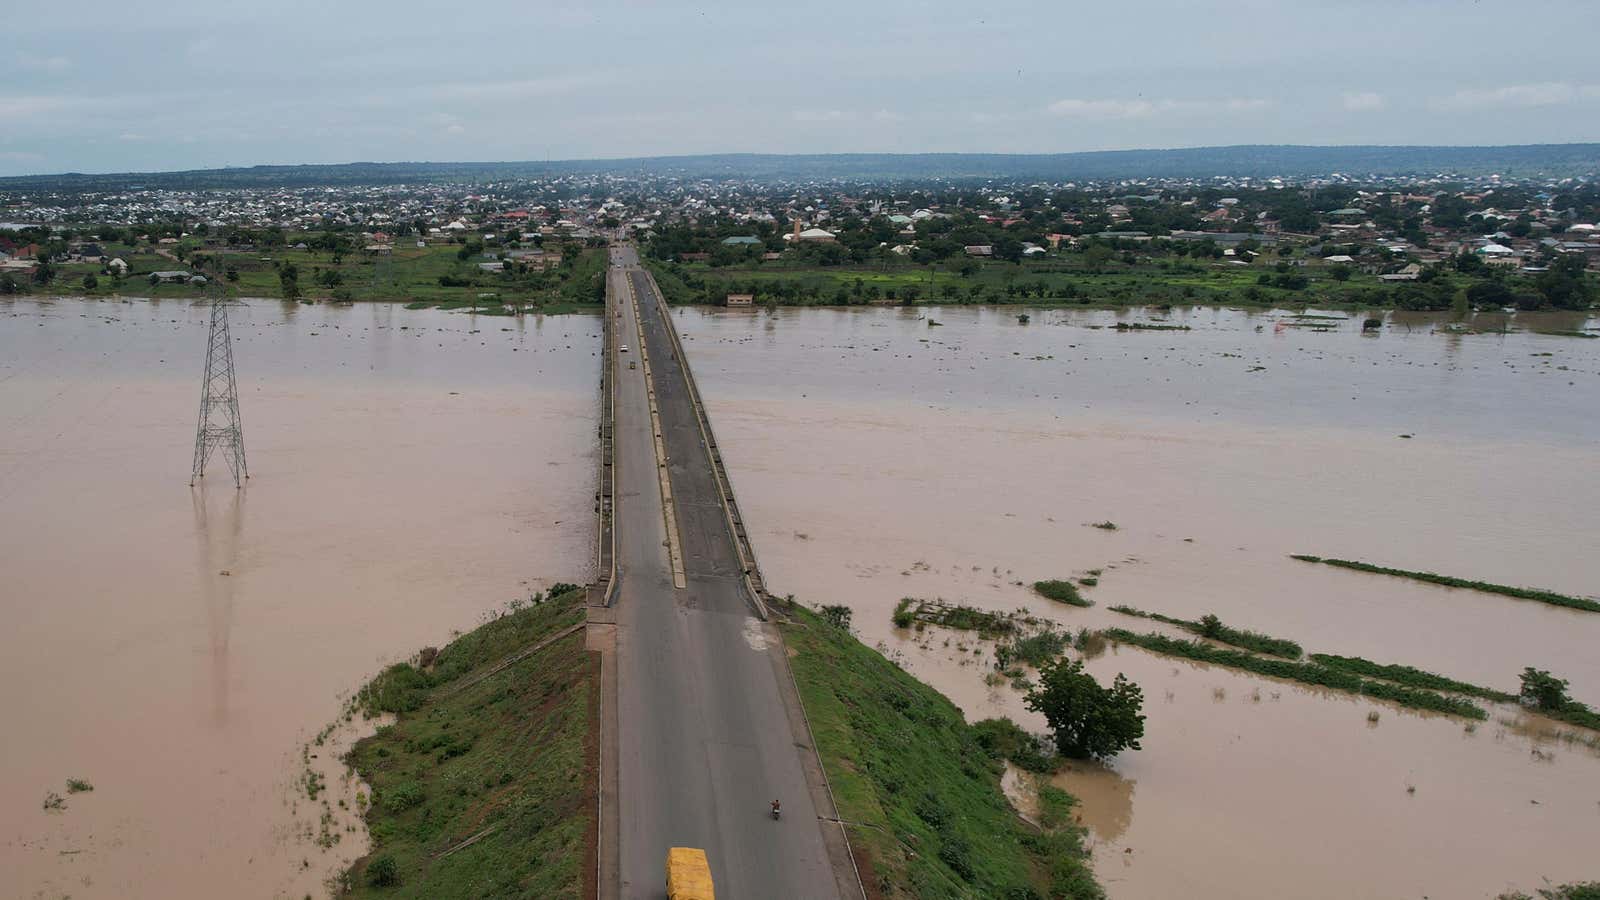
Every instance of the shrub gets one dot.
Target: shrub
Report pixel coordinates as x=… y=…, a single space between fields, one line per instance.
x=1061 y=591
x=402 y=796
x=1038 y=649
x=383 y=871
x=957 y=854
x=903 y=617
x=1005 y=739
x=931 y=810
x=836 y=615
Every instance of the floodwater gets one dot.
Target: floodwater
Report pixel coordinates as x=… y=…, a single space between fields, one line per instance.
x=412 y=472
x=877 y=457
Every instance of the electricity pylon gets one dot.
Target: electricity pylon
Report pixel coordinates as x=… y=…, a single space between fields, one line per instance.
x=219 y=402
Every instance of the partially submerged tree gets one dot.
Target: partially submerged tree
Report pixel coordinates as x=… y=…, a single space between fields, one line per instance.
x=1543 y=690
x=1088 y=721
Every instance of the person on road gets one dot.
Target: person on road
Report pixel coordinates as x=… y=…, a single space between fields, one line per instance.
x=774 y=809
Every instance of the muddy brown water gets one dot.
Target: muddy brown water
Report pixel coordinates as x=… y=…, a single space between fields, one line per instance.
x=878 y=457
x=412 y=472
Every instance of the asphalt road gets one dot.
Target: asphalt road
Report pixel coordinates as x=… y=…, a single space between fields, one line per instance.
x=704 y=741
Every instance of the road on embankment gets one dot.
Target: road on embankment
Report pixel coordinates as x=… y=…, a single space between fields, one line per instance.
x=705 y=740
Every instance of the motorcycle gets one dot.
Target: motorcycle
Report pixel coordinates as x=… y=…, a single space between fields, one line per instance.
x=775 y=810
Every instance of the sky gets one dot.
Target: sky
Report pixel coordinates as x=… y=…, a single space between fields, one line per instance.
x=184 y=84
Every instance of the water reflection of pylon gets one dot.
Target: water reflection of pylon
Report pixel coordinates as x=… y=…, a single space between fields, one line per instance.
x=220 y=425
x=219 y=558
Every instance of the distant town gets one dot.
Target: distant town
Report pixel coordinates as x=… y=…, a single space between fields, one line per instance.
x=531 y=243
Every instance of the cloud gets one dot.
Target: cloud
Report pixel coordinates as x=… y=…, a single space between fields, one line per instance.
x=26 y=106
x=522 y=89
x=1365 y=101
x=455 y=129
x=1522 y=96
x=821 y=115
x=33 y=62
x=1139 y=108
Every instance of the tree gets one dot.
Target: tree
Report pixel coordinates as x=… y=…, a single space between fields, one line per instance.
x=1339 y=272
x=1490 y=294
x=289 y=279
x=1087 y=720
x=1541 y=689
x=1563 y=285
x=90 y=282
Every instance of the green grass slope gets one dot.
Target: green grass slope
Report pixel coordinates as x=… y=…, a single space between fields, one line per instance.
x=905 y=765
x=483 y=785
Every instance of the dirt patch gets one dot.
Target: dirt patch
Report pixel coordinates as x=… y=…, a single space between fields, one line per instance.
x=869 y=874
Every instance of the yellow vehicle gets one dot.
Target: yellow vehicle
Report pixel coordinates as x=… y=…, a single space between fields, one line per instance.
x=688 y=875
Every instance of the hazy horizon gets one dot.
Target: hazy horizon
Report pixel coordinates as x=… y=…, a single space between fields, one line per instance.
x=190 y=86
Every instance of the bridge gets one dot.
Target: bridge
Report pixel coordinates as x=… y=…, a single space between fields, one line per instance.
x=700 y=718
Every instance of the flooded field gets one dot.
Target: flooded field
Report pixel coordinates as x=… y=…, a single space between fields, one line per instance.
x=411 y=473
x=877 y=456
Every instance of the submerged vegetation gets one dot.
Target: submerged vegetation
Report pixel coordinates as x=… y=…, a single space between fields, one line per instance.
x=1548 y=694
x=911 y=611
x=1520 y=593
x=1211 y=627
x=1408 y=676
x=479 y=786
x=1588 y=890
x=1061 y=591
x=1147 y=326
x=1005 y=739
x=1305 y=673
x=919 y=787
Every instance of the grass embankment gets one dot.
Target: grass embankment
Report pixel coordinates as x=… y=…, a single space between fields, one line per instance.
x=1212 y=628
x=905 y=765
x=1305 y=673
x=1520 y=593
x=1062 y=592
x=482 y=787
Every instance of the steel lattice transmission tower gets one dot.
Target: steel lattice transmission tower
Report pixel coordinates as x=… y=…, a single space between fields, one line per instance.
x=220 y=426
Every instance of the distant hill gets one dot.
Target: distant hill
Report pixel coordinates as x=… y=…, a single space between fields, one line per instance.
x=1197 y=162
